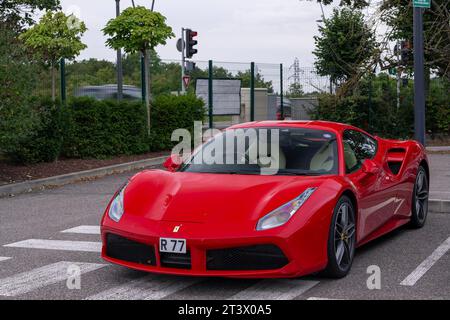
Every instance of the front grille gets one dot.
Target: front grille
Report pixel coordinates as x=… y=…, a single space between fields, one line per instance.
x=175 y=260
x=124 y=249
x=259 y=257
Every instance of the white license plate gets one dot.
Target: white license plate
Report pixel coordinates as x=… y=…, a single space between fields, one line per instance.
x=170 y=245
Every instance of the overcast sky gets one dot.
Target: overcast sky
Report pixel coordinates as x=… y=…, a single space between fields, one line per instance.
x=229 y=30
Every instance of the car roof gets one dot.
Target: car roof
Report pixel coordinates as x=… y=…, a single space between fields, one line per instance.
x=324 y=125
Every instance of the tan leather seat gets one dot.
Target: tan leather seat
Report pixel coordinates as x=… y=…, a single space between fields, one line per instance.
x=349 y=156
x=323 y=160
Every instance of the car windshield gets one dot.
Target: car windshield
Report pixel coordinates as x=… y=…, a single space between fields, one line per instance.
x=267 y=151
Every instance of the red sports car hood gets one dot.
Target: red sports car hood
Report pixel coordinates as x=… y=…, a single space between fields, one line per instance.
x=213 y=198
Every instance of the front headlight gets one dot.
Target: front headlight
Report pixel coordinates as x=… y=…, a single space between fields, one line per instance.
x=280 y=216
x=116 y=208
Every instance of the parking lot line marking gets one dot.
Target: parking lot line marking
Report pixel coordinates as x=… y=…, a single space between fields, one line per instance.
x=418 y=273
x=275 y=290
x=41 y=277
x=146 y=288
x=4 y=258
x=84 y=230
x=63 y=245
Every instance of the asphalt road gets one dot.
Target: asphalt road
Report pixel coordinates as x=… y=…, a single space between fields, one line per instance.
x=30 y=224
x=440 y=176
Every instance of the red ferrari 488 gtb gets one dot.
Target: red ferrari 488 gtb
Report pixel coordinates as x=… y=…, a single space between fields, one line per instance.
x=268 y=199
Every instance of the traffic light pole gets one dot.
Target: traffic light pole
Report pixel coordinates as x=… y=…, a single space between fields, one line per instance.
x=210 y=93
x=281 y=92
x=252 y=91
x=183 y=60
x=399 y=73
x=419 y=84
x=119 y=63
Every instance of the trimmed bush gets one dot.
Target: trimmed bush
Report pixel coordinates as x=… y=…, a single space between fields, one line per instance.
x=88 y=128
x=101 y=129
x=43 y=141
x=173 y=112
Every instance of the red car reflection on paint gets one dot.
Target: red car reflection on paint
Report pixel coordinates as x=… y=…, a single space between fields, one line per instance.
x=336 y=188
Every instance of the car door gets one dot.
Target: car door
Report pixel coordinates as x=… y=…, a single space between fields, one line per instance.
x=376 y=195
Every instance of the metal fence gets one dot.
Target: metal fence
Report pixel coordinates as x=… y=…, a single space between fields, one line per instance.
x=265 y=87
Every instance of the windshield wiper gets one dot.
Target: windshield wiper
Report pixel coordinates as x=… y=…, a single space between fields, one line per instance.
x=231 y=172
x=291 y=173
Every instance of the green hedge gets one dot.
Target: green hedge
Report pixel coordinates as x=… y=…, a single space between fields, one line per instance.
x=374 y=108
x=101 y=129
x=87 y=128
x=43 y=141
x=170 y=113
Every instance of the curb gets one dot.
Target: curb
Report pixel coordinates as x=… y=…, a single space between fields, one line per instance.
x=58 y=181
x=439 y=206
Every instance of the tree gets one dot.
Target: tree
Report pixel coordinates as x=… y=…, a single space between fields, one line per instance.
x=19 y=13
x=259 y=80
x=357 y=4
x=55 y=37
x=139 y=30
x=398 y=15
x=295 y=90
x=344 y=45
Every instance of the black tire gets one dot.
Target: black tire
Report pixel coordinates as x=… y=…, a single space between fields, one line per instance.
x=340 y=236
x=419 y=204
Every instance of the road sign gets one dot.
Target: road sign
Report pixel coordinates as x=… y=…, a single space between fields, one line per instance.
x=180 y=45
x=187 y=81
x=226 y=95
x=422 y=3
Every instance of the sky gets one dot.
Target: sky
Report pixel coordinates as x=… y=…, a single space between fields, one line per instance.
x=264 y=31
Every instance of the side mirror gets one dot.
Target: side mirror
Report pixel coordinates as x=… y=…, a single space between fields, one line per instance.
x=370 y=167
x=173 y=162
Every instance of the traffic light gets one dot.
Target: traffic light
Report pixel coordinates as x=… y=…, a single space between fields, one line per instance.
x=191 y=42
x=190 y=66
x=406 y=53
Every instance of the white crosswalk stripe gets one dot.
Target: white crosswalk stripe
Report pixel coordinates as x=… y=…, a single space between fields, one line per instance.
x=147 y=288
x=286 y=289
x=41 y=277
x=84 y=230
x=4 y=258
x=83 y=246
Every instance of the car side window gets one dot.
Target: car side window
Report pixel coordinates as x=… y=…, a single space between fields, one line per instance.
x=357 y=148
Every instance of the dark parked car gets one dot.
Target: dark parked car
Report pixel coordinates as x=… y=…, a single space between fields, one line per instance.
x=287 y=109
x=109 y=91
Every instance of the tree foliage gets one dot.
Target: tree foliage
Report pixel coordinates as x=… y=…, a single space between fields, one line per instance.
x=344 y=45
x=398 y=15
x=19 y=13
x=295 y=90
x=139 y=29
x=56 y=36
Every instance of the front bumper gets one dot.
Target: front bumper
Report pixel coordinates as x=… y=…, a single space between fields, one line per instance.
x=210 y=256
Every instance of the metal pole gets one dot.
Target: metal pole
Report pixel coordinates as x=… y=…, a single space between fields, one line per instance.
x=143 y=80
x=183 y=60
x=281 y=93
x=419 y=84
x=119 y=63
x=210 y=93
x=252 y=91
x=399 y=73
x=63 y=80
